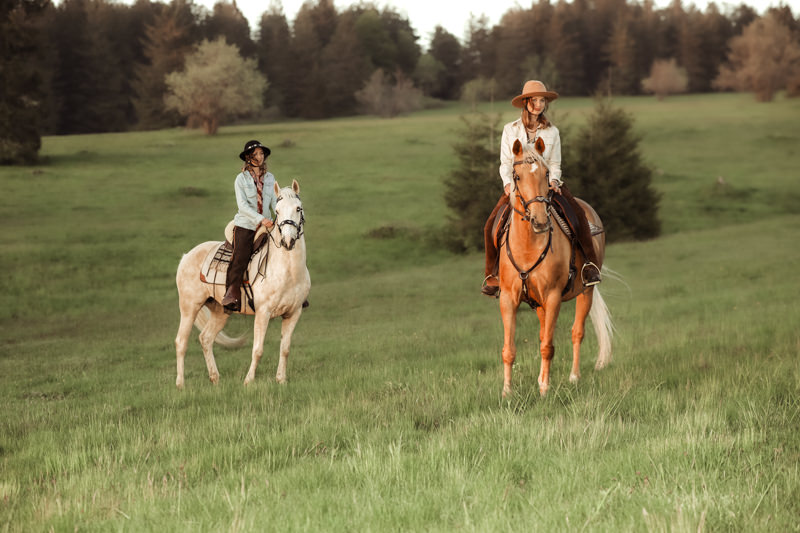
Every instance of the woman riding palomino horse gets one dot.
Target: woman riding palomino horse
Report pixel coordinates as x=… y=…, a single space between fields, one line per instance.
x=537 y=264
x=531 y=126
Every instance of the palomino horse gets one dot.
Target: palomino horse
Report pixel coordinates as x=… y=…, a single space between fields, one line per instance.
x=536 y=269
x=280 y=290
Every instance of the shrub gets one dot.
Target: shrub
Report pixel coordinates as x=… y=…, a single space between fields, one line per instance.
x=380 y=97
x=666 y=77
x=473 y=188
x=604 y=167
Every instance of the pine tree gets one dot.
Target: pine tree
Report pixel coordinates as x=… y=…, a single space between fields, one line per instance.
x=604 y=167
x=21 y=93
x=167 y=41
x=473 y=188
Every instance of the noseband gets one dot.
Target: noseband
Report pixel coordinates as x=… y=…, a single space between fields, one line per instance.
x=290 y=222
x=526 y=215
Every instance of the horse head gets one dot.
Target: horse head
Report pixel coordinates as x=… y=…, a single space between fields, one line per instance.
x=289 y=218
x=531 y=187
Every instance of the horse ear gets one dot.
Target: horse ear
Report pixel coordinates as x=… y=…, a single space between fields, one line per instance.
x=517 y=148
x=295 y=187
x=539 y=145
x=277 y=188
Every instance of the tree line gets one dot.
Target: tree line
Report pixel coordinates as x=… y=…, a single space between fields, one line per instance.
x=99 y=66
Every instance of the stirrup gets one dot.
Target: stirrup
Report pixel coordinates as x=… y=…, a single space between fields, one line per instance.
x=590 y=283
x=490 y=290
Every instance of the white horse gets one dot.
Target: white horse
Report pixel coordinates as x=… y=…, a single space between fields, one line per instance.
x=279 y=290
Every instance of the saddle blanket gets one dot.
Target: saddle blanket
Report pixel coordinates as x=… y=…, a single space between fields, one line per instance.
x=215 y=266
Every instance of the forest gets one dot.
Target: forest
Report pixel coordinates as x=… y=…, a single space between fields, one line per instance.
x=85 y=66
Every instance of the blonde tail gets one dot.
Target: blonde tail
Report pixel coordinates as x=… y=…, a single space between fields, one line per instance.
x=603 y=329
x=222 y=339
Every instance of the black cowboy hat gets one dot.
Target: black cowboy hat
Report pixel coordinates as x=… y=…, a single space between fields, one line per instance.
x=249 y=146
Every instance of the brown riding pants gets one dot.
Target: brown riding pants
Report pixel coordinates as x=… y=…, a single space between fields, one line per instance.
x=242 y=250
x=584 y=233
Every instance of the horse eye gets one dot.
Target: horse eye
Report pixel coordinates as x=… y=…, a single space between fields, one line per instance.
x=298 y=208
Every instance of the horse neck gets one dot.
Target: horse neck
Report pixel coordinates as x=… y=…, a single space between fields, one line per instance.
x=294 y=259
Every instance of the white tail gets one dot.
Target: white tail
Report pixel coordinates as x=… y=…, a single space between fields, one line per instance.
x=222 y=339
x=603 y=329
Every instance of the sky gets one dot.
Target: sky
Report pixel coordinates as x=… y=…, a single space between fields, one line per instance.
x=453 y=16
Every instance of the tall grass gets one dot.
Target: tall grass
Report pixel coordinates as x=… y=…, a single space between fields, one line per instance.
x=392 y=419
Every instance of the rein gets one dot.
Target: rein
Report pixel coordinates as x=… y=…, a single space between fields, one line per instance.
x=526 y=216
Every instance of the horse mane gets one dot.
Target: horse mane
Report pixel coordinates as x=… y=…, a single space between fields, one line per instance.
x=531 y=156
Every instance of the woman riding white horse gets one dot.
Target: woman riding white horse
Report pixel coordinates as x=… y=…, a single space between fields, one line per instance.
x=280 y=285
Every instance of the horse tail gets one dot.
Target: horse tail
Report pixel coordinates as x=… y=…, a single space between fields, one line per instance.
x=222 y=338
x=603 y=329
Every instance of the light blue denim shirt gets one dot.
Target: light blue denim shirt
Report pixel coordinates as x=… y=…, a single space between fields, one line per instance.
x=247 y=200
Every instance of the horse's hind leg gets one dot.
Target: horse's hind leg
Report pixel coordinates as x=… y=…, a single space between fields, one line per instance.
x=287 y=328
x=216 y=322
x=583 y=303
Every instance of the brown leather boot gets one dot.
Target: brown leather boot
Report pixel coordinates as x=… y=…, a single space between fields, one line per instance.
x=590 y=274
x=231 y=300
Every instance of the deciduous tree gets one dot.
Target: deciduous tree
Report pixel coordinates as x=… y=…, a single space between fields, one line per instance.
x=763 y=59
x=666 y=77
x=216 y=84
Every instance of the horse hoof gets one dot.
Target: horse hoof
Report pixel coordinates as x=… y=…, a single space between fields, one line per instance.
x=179 y=384
x=281 y=379
x=573 y=378
x=214 y=378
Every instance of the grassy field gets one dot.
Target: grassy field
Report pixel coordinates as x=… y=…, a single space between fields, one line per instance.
x=392 y=419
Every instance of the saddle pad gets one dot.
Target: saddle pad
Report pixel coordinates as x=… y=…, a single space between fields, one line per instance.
x=215 y=266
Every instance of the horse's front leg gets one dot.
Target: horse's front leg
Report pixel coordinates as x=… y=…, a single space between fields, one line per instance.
x=287 y=328
x=583 y=304
x=508 y=311
x=259 y=332
x=548 y=316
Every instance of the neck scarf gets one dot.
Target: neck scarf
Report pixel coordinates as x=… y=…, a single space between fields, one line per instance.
x=259 y=183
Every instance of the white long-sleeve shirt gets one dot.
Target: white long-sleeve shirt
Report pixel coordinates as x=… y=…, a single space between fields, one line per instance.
x=516 y=131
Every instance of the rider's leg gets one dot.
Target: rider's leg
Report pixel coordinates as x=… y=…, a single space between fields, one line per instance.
x=242 y=250
x=490 y=282
x=590 y=271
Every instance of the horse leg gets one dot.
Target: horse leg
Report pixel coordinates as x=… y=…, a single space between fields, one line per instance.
x=216 y=322
x=259 y=332
x=189 y=312
x=547 y=326
x=508 y=310
x=287 y=328
x=583 y=303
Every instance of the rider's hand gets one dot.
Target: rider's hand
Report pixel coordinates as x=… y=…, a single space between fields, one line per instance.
x=554 y=186
x=267 y=223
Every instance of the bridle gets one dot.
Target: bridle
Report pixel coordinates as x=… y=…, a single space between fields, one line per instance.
x=526 y=215
x=288 y=221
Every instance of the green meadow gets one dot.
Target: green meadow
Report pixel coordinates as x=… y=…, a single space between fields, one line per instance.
x=392 y=419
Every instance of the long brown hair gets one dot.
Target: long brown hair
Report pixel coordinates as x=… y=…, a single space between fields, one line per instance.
x=248 y=166
x=527 y=117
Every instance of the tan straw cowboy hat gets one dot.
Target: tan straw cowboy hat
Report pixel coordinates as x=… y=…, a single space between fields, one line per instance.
x=530 y=89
